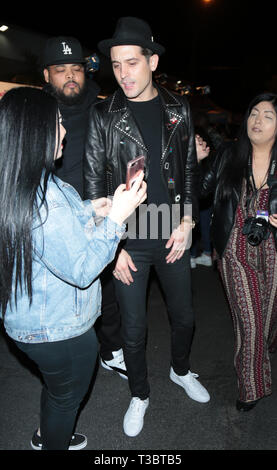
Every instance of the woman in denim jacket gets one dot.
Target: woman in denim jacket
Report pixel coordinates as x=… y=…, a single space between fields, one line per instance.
x=51 y=254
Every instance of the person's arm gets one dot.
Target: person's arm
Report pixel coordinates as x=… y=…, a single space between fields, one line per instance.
x=124 y=267
x=191 y=177
x=73 y=252
x=180 y=239
x=94 y=165
x=202 y=149
x=273 y=220
x=77 y=252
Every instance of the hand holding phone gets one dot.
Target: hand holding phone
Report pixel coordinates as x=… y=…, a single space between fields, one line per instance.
x=134 y=167
x=125 y=202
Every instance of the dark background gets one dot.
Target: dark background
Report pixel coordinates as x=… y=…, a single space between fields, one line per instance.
x=231 y=46
x=227 y=44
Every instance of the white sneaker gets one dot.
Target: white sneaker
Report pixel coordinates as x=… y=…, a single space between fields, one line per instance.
x=192 y=262
x=205 y=260
x=134 y=416
x=192 y=387
x=116 y=364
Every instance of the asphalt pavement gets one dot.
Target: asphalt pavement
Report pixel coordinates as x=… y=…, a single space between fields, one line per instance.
x=174 y=424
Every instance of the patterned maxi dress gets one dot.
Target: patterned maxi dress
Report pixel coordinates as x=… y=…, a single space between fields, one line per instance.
x=249 y=276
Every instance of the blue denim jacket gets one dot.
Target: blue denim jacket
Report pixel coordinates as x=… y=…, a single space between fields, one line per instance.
x=70 y=251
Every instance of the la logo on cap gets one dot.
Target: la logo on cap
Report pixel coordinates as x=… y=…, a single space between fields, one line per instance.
x=66 y=49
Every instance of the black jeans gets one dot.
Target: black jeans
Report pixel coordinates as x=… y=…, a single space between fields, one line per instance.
x=108 y=325
x=175 y=281
x=66 y=367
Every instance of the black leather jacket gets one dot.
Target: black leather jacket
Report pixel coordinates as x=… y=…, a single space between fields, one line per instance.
x=224 y=211
x=113 y=139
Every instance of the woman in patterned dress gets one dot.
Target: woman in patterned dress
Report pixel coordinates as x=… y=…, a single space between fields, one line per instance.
x=244 y=182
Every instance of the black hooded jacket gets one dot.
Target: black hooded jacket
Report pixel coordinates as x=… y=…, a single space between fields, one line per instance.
x=75 y=118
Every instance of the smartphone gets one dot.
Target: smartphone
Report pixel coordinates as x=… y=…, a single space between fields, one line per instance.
x=134 y=167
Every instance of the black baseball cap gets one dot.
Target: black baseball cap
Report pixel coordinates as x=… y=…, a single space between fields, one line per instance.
x=62 y=50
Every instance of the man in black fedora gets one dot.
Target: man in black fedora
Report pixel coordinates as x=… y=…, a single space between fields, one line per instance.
x=141 y=118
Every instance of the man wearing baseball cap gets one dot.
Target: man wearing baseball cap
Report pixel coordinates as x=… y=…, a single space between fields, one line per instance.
x=141 y=118
x=63 y=66
x=64 y=71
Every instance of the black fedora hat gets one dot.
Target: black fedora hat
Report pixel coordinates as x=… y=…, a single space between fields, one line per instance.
x=131 y=31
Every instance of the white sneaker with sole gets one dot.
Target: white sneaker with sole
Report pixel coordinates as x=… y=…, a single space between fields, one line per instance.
x=205 y=260
x=134 y=416
x=116 y=364
x=192 y=262
x=192 y=387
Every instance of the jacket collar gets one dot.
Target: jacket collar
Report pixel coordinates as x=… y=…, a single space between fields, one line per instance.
x=119 y=101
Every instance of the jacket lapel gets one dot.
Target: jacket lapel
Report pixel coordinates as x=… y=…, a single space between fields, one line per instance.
x=128 y=128
x=126 y=125
x=171 y=118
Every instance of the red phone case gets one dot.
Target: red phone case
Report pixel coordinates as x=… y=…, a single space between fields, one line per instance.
x=133 y=169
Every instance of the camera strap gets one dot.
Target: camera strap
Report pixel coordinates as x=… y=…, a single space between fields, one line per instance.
x=268 y=180
x=271 y=174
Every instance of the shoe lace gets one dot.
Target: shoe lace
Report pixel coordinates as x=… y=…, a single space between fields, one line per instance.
x=136 y=405
x=193 y=375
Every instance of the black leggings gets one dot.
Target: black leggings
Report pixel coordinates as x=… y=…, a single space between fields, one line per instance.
x=67 y=367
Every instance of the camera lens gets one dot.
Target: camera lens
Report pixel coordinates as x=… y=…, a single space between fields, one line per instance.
x=258 y=231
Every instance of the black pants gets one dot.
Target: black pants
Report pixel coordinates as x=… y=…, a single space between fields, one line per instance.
x=175 y=280
x=108 y=325
x=66 y=367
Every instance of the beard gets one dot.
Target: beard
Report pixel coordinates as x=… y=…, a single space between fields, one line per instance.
x=72 y=99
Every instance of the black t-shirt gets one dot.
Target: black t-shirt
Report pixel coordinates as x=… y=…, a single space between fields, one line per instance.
x=148 y=116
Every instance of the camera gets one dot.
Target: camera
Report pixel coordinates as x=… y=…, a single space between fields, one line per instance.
x=256 y=229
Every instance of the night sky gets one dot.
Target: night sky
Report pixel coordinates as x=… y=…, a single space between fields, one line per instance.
x=228 y=44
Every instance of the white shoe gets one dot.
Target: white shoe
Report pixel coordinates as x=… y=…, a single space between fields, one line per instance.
x=192 y=387
x=192 y=262
x=116 y=364
x=205 y=260
x=134 y=416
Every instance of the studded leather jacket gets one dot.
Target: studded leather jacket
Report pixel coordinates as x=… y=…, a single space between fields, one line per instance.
x=114 y=138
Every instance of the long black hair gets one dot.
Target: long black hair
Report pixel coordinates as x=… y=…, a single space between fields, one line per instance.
x=237 y=166
x=28 y=128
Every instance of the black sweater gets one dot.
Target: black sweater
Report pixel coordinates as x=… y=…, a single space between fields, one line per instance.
x=75 y=118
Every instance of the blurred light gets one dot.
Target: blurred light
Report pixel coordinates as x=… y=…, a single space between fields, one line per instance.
x=3 y=28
